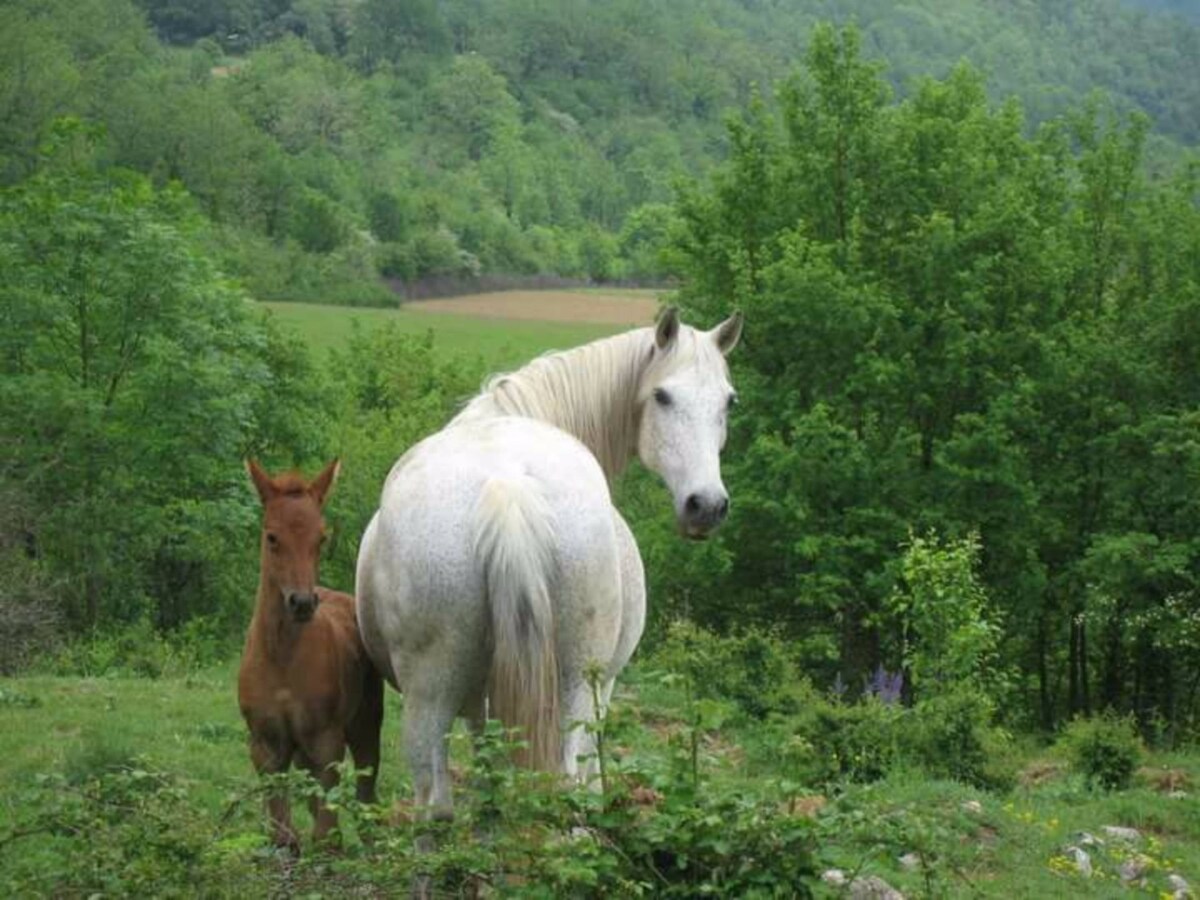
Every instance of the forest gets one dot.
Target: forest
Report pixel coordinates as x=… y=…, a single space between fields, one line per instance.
x=329 y=142
x=965 y=462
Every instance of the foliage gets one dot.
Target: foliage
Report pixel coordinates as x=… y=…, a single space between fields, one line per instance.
x=313 y=131
x=122 y=347
x=946 y=637
x=753 y=669
x=956 y=323
x=1104 y=749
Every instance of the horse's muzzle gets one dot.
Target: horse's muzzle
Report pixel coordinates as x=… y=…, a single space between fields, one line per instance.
x=302 y=606
x=702 y=513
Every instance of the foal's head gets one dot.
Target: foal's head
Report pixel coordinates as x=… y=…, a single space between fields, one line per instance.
x=686 y=397
x=292 y=534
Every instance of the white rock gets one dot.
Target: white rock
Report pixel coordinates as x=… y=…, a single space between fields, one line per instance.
x=1178 y=795
x=872 y=887
x=1134 y=868
x=1121 y=833
x=910 y=861
x=972 y=806
x=835 y=877
x=1083 y=862
x=1179 y=885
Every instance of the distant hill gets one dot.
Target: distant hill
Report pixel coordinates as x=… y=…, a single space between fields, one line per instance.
x=330 y=142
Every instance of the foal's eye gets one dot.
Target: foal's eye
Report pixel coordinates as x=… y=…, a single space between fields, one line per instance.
x=661 y=397
x=272 y=541
x=731 y=402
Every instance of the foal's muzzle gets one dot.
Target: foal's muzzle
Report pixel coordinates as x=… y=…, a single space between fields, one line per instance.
x=703 y=512
x=302 y=606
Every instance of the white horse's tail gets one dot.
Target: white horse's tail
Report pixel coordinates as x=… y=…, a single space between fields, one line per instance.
x=514 y=541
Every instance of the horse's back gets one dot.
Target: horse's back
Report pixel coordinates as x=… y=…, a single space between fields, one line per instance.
x=421 y=579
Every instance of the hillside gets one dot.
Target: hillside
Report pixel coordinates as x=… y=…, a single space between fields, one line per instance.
x=330 y=141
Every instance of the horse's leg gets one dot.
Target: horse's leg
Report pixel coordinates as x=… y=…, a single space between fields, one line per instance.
x=362 y=734
x=271 y=758
x=578 y=719
x=428 y=718
x=321 y=754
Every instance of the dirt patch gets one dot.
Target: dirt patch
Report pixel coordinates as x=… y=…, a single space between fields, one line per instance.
x=548 y=306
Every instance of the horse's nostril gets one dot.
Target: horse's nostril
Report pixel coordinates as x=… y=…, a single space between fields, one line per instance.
x=692 y=504
x=723 y=508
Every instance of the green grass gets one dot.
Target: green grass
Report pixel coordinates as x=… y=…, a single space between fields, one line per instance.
x=189 y=728
x=500 y=343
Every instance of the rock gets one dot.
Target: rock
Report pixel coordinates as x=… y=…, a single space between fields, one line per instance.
x=835 y=877
x=1133 y=868
x=910 y=861
x=1083 y=862
x=872 y=887
x=1178 y=795
x=1182 y=890
x=974 y=807
x=1121 y=833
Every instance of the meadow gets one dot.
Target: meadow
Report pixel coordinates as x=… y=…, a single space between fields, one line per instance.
x=324 y=327
x=125 y=785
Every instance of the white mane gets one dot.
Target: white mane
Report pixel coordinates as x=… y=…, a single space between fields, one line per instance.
x=594 y=392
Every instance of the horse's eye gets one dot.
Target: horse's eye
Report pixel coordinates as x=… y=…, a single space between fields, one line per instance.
x=661 y=397
x=732 y=401
x=272 y=541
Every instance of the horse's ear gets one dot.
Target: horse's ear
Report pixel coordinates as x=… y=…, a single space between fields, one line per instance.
x=323 y=483
x=667 y=329
x=262 y=481
x=728 y=333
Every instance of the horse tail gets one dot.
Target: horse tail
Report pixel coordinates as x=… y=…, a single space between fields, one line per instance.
x=515 y=542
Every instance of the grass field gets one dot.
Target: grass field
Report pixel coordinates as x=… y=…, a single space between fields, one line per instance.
x=501 y=343
x=968 y=842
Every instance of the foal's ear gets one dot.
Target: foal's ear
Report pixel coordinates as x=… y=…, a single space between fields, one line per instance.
x=323 y=483
x=668 y=328
x=728 y=333
x=262 y=481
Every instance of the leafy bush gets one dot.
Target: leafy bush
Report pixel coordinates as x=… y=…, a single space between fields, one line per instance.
x=952 y=737
x=1104 y=749
x=113 y=826
x=858 y=742
x=753 y=669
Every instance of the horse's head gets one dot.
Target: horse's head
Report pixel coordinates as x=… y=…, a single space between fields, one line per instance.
x=293 y=531
x=685 y=398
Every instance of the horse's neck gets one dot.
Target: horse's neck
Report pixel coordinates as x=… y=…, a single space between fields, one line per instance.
x=274 y=630
x=589 y=392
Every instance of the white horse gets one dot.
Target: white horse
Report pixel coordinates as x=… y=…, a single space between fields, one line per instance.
x=497 y=572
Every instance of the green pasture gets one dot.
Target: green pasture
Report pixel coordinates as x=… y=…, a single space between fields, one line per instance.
x=968 y=842
x=501 y=343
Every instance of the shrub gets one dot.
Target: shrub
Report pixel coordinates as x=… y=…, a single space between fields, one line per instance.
x=753 y=669
x=953 y=738
x=858 y=742
x=1105 y=750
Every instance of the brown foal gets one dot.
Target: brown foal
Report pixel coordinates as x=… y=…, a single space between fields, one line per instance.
x=306 y=688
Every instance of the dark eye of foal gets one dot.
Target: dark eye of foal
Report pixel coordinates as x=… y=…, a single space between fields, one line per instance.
x=731 y=402
x=661 y=397
x=272 y=541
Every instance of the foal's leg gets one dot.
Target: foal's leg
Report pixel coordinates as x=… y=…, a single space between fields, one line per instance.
x=362 y=734
x=322 y=752
x=271 y=757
